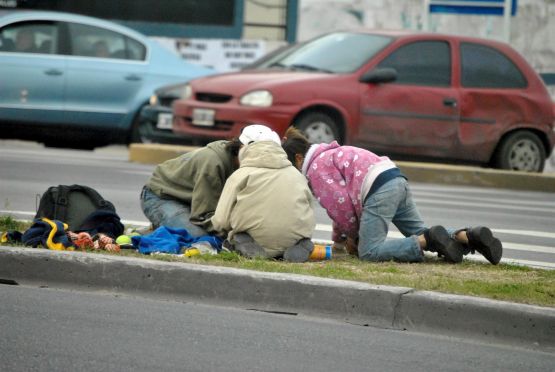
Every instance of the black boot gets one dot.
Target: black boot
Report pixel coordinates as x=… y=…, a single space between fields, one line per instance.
x=481 y=239
x=300 y=252
x=245 y=245
x=438 y=240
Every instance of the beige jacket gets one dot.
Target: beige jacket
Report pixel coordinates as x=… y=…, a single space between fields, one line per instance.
x=267 y=198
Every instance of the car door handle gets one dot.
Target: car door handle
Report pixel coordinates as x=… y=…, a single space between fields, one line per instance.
x=133 y=77
x=450 y=102
x=53 y=72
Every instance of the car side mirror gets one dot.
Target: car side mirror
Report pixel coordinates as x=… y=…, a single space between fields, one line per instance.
x=379 y=75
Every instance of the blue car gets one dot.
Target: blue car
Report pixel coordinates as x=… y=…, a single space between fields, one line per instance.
x=75 y=81
x=155 y=119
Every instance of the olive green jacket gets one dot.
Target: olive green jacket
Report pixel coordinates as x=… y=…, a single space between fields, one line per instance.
x=196 y=179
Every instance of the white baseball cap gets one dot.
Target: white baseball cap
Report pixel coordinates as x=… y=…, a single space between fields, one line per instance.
x=258 y=132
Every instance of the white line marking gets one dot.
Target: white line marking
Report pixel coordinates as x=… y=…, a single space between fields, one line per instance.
x=141 y=173
x=514 y=261
x=482 y=205
x=391 y=234
x=56 y=108
x=135 y=223
x=456 y=197
x=448 y=189
x=321 y=227
x=76 y=156
x=508 y=245
x=538 y=234
x=528 y=248
x=18 y=212
x=25 y=213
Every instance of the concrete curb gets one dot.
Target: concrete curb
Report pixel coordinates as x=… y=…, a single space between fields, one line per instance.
x=416 y=172
x=475 y=176
x=476 y=318
x=356 y=303
x=154 y=153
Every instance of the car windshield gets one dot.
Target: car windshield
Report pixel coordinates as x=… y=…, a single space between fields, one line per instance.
x=334 y=53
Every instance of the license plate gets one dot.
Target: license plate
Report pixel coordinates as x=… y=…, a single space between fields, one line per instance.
x=164 y=121
x=204 y=117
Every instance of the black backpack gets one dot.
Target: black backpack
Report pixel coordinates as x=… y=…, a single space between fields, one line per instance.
x=73 y=205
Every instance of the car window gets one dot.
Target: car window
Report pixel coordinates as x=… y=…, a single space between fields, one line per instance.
x=485 y=67
x=270 y=58
x=29 y=37
x=421 y=63
x=97 y=42
x=333 y=52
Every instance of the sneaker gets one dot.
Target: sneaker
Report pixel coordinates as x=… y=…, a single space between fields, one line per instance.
x=438 y=240
x=481 y=239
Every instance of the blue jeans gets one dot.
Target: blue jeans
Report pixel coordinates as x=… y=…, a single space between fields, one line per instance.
x=392 y=202
x=168 y=212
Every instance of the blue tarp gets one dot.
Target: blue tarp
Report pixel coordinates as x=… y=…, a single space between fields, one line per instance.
x=169 y=240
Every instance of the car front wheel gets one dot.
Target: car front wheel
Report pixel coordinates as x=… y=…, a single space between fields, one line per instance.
x=139 y=131
x=318 y=127
x=521 y=151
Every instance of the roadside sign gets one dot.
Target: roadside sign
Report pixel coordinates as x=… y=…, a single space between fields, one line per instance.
x=478 y=7
x=505 y=8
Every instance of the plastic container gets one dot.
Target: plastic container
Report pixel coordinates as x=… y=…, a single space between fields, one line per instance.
x=321 y=252
x=198 y=248
x=189 y=252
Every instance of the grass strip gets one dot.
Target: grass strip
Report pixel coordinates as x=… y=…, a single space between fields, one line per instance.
x=506 y=282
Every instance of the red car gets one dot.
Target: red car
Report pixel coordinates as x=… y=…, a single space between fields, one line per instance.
x=416 y=96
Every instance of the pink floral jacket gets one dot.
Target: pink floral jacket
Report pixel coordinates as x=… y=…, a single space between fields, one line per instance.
x=338 y=176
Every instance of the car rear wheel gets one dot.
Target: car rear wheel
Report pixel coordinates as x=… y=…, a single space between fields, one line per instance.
x=318 y=127
x=522 y=151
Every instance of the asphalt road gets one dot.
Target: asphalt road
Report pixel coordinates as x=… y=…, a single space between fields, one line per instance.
x=52 y=330
x=525 y=221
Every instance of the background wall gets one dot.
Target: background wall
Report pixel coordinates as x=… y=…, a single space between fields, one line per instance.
x=532 y=29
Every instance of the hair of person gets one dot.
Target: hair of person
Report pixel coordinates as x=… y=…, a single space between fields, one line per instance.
x=295 y=143
x=233 y=146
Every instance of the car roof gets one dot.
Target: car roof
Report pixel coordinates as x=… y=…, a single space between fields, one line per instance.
x=11 y=16
x=409 y=34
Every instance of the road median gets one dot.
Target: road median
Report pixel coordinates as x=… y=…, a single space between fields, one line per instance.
x=353 y=302
x=415 y=171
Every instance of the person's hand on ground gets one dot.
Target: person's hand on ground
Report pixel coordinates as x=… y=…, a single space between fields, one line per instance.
x=351 y=246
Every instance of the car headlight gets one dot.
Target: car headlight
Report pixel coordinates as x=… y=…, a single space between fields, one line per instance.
x=260 y=98
x=153 y=100
x=179 y=92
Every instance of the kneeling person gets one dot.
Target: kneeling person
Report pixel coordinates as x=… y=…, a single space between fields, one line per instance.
x=183 y=192
x=265 y=207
